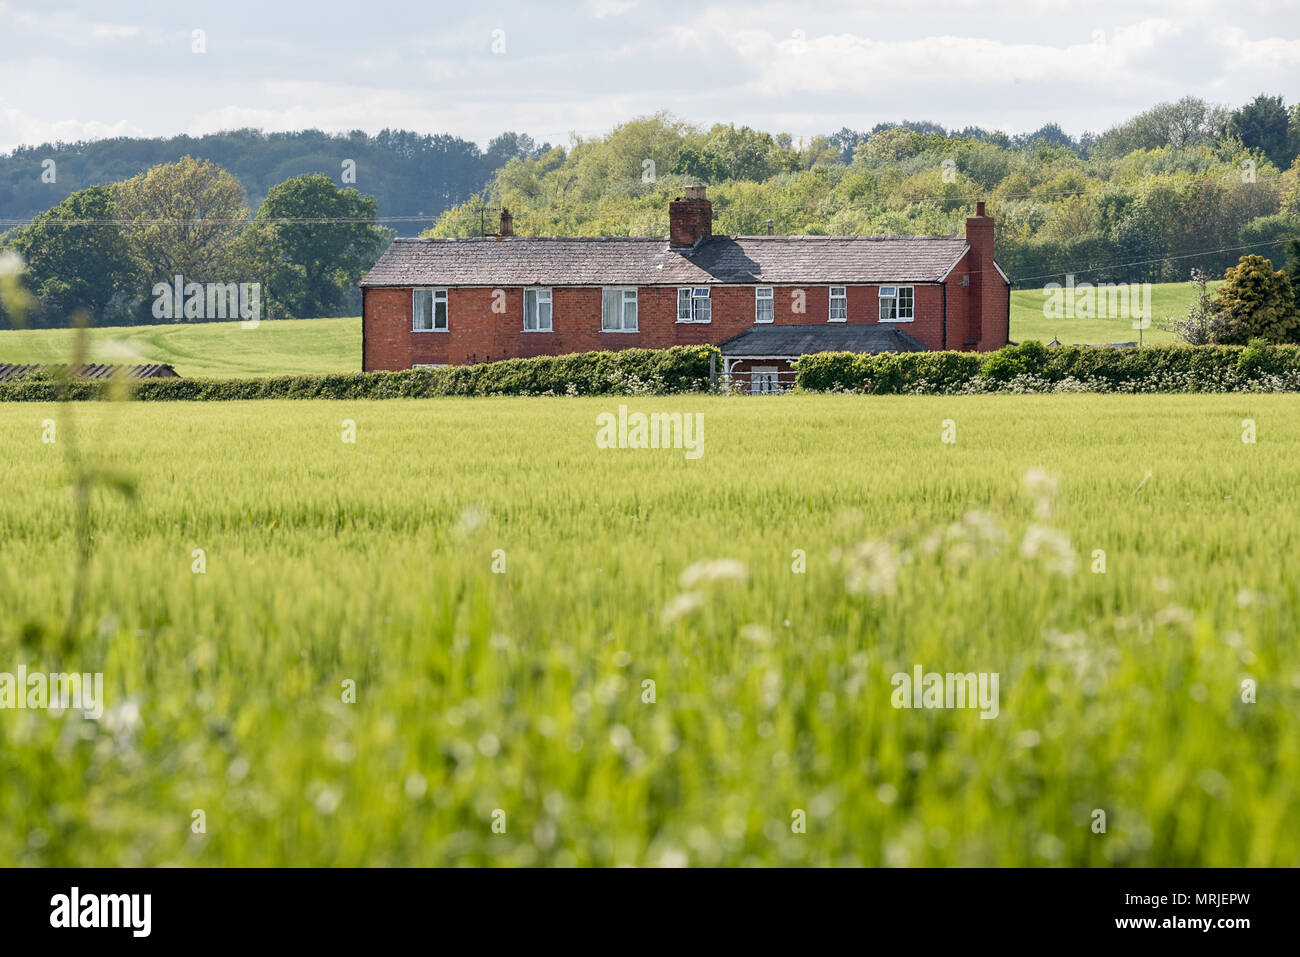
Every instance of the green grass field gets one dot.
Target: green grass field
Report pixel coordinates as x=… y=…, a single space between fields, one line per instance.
x=298 y=346
x=1029 y=322
x=520 y=698
x=223 y=350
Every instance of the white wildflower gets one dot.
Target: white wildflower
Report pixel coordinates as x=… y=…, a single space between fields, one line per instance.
x=472 y=518
x=873 y=568
x=11 y=263
x=1051 y=545
x=708 y=572
x=681 y=606
x=1043 y=487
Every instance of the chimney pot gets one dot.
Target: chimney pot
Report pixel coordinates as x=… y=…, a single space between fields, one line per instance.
x=771 y=227
x=695 y=192
x=507 y=223
x=979 y=208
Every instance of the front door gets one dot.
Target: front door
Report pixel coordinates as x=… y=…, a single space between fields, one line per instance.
x=763 y=379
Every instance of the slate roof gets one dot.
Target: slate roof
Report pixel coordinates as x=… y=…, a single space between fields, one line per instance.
x=801 y=340
x=10 y=372
x=647 y=261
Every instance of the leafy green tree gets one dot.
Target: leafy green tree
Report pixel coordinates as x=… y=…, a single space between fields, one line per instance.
x=890 y=145
x=1293 y=131
x=182 y=219
x=745 y=153
x=76 y=257
x=1257 y=301
x=1262 y=124
x=1266 y=231
x=1293 y=266
x=312 y=241
x=701 y=165
x=1189 y=122
x=1202 y=324
x=1289 y=187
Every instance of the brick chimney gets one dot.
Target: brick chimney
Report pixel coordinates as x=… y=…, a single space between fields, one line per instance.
x=984 y=278
x=508 y=223
x=690 y=219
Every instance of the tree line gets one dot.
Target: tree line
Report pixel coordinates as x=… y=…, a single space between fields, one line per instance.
x=112 y=253
x=409 y=174
x=1182 y=186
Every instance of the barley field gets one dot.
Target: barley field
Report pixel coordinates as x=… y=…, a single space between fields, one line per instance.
x=472 y=637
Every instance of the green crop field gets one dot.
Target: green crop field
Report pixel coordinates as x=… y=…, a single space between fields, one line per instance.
x=300 y=346
x=472 y=636
x=223 y=350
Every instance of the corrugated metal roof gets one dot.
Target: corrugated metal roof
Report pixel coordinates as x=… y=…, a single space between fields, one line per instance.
x=802 y=340
x=10 y=372
x=637 y=261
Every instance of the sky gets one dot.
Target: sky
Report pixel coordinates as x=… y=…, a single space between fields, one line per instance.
x=87 y=70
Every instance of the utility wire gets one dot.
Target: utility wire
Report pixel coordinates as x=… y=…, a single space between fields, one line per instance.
x=721 y=206
x=1158 y=259
x=1071 y=270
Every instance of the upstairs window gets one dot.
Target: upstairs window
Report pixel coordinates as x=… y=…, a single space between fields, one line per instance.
x=537 y=310
x=839 y=304
x=897 y=303
x=618 y=309
x=764 y=304
x=429 y=310
x=694 y=304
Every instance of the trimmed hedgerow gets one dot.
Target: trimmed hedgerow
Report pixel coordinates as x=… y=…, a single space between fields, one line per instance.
x=885 y=373
x=1028 y=367
x=629 y=371
x=1033 y=367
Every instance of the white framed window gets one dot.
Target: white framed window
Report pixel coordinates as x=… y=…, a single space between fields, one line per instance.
x=537 y=310
x=764 y=304
x=429 y=310
x=897 y=303
x=764 y=380
x=694 y=304
x=839 y=304
x=618 y=309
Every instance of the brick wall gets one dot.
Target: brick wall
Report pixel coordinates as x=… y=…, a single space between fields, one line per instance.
x=478 y=334
x=986 y=325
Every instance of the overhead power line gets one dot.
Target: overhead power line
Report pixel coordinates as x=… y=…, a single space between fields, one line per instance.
x=249 y=221
x=721 y=206
x=1076 y=271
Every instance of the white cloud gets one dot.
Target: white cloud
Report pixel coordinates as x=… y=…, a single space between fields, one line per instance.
x=1268 y=55
x=114 y=30
x=610 y=8
x=848 y=63
x=778 y=65
x=19 y=128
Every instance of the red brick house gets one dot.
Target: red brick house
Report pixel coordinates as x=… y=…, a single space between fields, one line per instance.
x=764 y=300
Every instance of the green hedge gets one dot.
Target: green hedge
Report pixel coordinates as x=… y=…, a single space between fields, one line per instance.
x=628 y=371
x=1033 y=367
x=1028 y=367
x=887 y=372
